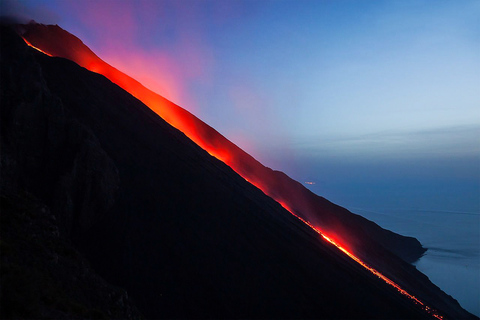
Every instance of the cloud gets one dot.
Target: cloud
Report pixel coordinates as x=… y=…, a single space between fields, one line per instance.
x=443 y=142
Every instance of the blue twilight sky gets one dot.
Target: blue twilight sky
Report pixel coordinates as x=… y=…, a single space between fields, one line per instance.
x=377 y=102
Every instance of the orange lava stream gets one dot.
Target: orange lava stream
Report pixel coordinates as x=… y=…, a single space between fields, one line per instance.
x=187 y=123
x=363 y=264
x=31 y=45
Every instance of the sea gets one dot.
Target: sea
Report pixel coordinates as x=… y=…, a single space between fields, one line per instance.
x=452 y=260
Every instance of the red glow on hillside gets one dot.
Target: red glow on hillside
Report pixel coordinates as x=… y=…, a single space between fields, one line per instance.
x=211 y=141
x=146 y=68
x=126 y=30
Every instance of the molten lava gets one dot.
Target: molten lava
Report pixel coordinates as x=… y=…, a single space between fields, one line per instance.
x=31 y=45
x=366 y=266
x=208 y=139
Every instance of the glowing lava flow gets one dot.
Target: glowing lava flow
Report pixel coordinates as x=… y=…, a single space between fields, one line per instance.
x=208 y=139
x=363 y=264
x=31 y=45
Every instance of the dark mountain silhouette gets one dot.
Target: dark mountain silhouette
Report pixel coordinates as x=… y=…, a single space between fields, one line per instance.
x=360 y=235
x=89 y=173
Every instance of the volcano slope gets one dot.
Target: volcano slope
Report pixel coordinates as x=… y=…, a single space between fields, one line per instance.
x=184 y=234
x=360 y=235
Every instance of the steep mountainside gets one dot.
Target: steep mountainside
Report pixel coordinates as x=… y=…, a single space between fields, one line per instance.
x=362 y=236
x=155 y=214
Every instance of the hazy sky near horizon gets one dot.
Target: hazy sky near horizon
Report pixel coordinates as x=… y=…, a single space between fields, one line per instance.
x=306 y=85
